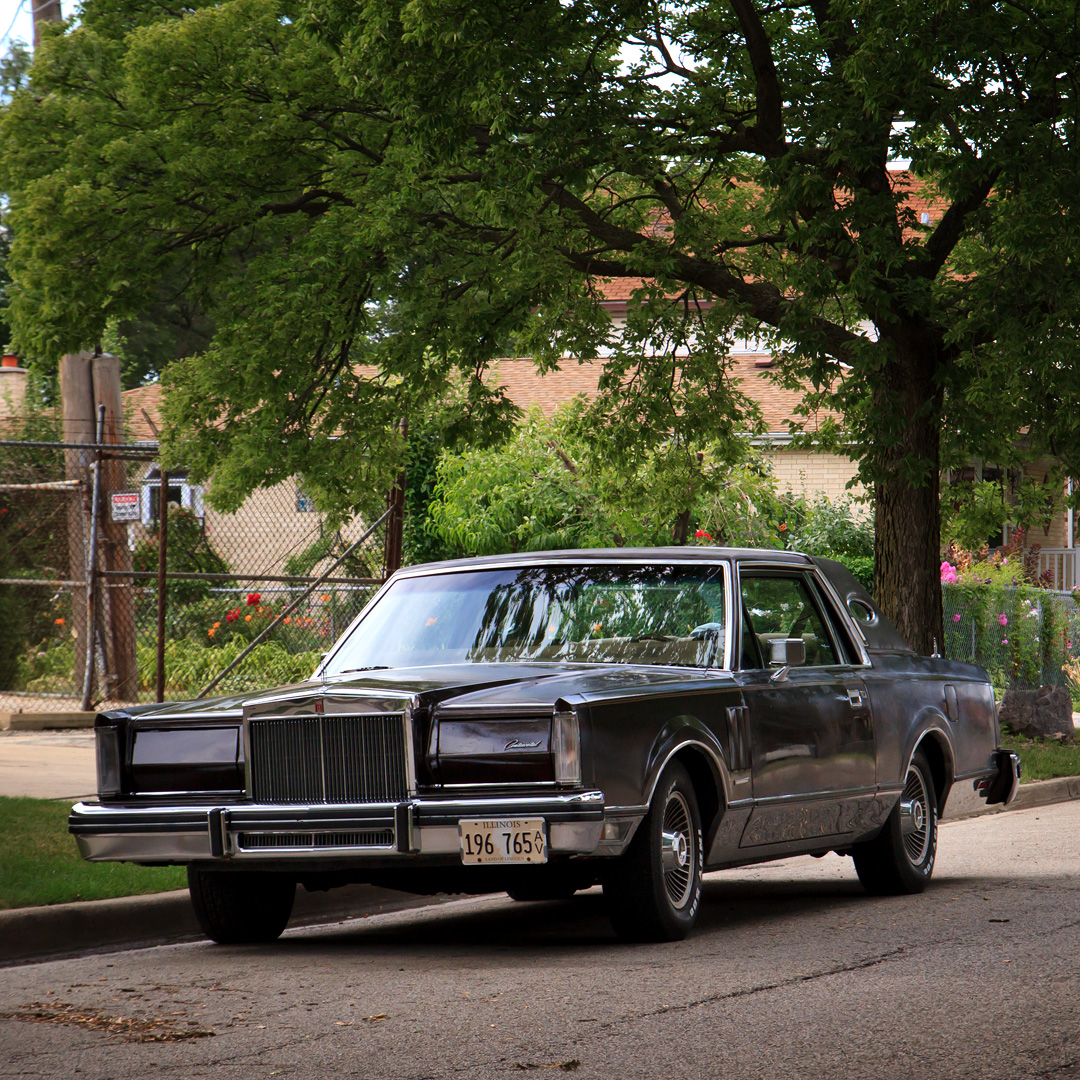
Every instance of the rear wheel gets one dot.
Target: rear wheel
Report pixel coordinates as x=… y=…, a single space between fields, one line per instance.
x=241 y=907
x=900 y=859
x=653 y=890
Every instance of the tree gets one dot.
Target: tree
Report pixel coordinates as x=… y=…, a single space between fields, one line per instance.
x=552 y=486
x=377 y=198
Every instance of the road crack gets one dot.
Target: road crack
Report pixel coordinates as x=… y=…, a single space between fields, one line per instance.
x=763 y=988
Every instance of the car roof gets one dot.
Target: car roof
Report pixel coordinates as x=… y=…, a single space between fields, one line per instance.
x=625 y=554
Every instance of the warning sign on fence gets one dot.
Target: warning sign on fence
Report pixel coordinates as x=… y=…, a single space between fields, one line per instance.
x=125 y=506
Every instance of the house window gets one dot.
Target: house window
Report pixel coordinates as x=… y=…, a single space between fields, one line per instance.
x=180 y=493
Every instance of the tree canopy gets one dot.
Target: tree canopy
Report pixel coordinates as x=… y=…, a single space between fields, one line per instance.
x=374 y=200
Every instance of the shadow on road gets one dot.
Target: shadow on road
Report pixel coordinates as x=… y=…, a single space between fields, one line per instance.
x=494 y=926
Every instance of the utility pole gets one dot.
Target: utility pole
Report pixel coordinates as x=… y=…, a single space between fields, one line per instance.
x=87 y=381
x=77 y=407
x=45 y=11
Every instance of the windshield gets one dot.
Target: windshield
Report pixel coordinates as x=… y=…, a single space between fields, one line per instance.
x=670 y=615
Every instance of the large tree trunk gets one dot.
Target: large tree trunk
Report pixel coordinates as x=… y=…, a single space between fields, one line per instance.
x=907 y=517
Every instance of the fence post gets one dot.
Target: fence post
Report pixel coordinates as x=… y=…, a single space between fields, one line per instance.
x=116 y=556
x=92 y=620
x=162 y=564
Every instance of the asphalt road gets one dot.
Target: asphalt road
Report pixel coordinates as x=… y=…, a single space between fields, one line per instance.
x=792 y=972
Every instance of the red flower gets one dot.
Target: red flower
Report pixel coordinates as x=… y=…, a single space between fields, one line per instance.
x=783 y=526
x=701 y=534
x=233 y=615
x=253 y=598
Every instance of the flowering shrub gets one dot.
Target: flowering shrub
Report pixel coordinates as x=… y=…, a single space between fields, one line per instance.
x=1000 y=614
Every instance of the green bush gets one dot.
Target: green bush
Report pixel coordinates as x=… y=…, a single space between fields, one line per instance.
x=189 y=552
x=190 y=664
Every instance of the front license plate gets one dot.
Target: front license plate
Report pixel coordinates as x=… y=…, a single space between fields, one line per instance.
x=503 y=840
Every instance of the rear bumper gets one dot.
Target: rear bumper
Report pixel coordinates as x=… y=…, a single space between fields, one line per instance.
x=378 y=833
x=1001 y=788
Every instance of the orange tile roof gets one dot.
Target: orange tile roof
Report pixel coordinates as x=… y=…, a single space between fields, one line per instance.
x=142 y=413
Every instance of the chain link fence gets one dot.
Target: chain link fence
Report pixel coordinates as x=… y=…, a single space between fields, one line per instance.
x=232 y=581
x=1024 y=637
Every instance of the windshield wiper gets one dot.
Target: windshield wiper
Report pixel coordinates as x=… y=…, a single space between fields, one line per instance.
x=370 y=667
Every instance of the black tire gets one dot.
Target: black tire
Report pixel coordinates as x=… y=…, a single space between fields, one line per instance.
x=236 y=907
x=900 y=859
x=653 y=890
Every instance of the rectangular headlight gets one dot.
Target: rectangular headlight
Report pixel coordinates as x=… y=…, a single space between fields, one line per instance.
x=566 y=747
x=108 y=761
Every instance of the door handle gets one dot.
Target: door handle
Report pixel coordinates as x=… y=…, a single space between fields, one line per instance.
x=856 y=698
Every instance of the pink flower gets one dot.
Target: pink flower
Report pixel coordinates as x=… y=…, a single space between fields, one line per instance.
x=1003 y=619
x=1004 y=641
x=948 y=573
x=956 y=617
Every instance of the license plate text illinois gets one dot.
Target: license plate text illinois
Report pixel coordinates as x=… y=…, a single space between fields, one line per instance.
x=503 y=841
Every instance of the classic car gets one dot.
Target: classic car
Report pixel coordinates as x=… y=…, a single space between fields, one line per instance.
x=542 y=723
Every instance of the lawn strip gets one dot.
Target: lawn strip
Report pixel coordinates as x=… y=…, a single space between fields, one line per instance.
x=40 y=863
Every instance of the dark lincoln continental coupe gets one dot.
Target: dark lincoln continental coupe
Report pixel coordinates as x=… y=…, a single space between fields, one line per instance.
x=542 y=723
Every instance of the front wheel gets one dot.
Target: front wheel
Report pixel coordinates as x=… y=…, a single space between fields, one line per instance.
x=241 y=907
x=653 y=890
x=900 y=859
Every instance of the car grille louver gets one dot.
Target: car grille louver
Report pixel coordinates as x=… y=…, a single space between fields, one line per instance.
x=329 y=759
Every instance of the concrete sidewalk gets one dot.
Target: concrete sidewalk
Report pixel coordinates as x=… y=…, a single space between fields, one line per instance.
x=48 y=764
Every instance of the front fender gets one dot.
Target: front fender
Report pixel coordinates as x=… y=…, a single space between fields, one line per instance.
x=688 y=733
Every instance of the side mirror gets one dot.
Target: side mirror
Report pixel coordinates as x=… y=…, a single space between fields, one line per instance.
x=787 y=652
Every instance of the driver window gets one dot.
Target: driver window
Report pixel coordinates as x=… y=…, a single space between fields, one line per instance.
x=780 y=606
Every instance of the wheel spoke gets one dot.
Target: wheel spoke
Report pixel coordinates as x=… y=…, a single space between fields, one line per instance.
x=678 y=850
x=915 y=822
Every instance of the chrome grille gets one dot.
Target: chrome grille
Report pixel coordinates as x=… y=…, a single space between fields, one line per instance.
x=329 y=759
x=370 y=838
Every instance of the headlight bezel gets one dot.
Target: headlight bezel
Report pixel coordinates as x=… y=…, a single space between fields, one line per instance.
x=566 y=747
x=107 y=757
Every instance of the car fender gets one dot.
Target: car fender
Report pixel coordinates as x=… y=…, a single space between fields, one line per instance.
x=931 y=726
x=680 y=733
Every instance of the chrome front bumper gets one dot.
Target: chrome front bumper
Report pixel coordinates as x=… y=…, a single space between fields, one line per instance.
x=416 y=828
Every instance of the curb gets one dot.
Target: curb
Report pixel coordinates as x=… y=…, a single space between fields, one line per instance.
x=45 y=721
x=28 y=935
x=1036 y=793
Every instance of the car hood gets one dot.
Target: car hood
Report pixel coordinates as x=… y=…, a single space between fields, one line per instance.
x=517 y=685
x=465 y=685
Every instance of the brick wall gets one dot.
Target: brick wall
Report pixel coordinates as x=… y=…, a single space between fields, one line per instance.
x=812 y=473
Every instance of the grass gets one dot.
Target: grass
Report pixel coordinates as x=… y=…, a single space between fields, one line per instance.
x=40 y=864
x=1044 y=759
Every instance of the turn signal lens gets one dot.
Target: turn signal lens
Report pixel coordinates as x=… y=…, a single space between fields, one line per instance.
x=108 y=761
x=566 y=748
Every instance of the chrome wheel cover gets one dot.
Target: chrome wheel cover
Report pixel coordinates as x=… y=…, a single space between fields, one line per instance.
x=915 y=824
x=678 y=850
